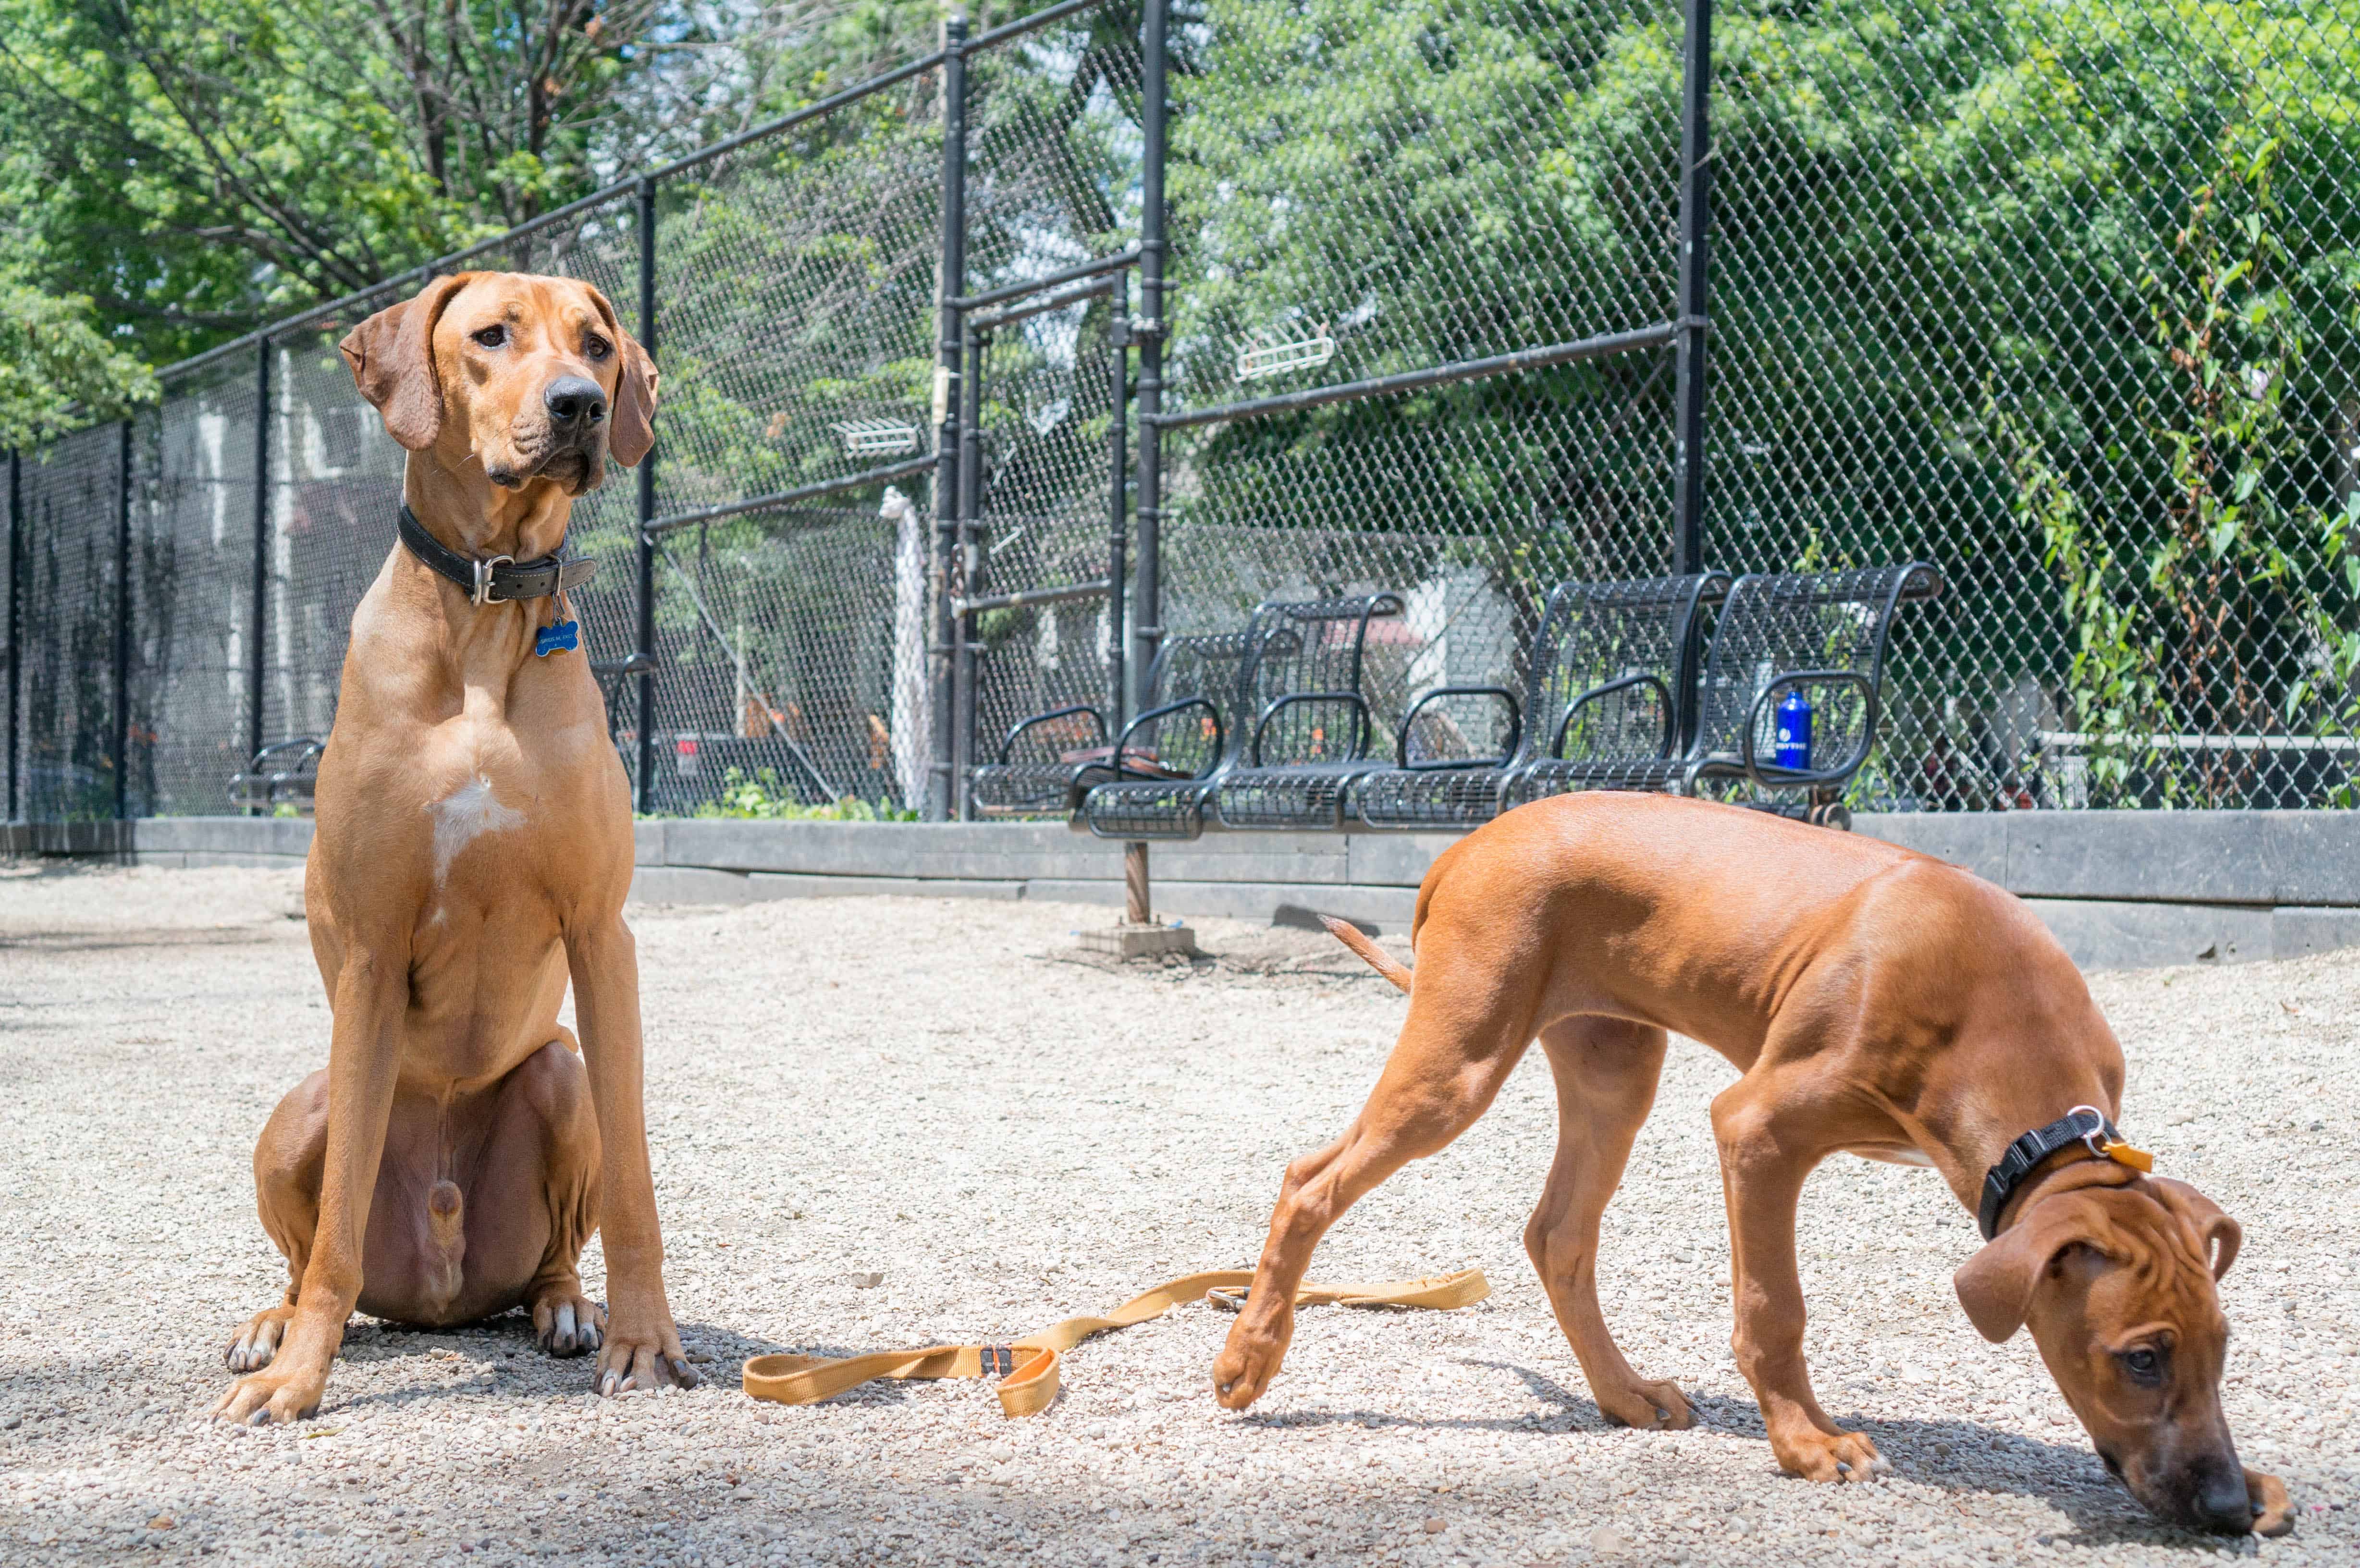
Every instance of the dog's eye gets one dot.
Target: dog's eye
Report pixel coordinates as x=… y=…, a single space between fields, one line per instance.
x=598 y=347
x=492 y=337
x=2143 y=1363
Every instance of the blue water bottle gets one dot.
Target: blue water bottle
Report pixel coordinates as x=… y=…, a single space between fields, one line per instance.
x=1794 y=749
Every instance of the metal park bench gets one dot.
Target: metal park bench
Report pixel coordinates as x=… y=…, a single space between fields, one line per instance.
x=1822 y=633
x=283 y=773
x=1314 y=729
x=1609 y=667
x=1288 y=658
x=1170 y=755
x=1050 y=761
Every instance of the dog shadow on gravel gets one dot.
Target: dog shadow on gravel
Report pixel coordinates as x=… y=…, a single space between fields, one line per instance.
x=501 y=1356
x=1957 y=1457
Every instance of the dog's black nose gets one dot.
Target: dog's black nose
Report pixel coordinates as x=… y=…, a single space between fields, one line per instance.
x=574 y=400
x=2222 y=1503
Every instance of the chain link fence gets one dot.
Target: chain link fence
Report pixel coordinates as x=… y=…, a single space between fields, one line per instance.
x=2064 y=299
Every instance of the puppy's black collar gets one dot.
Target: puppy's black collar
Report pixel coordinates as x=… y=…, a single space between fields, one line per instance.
x=2083 y=1125
x=499 y=580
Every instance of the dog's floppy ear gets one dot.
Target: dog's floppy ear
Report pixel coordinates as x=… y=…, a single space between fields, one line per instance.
x=2221 y=1236
x=1995 y=1285
x=392 y=357
x=633 y=429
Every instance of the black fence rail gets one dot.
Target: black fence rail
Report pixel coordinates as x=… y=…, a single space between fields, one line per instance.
x=985 y=378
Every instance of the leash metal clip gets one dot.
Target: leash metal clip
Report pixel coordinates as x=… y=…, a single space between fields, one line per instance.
x=483 y=594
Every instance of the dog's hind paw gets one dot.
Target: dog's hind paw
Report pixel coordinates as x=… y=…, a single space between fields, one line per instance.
x=565 y=1323
x=257 y=1341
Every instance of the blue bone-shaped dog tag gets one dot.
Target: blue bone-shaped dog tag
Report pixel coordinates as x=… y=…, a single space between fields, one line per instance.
x=559 y=639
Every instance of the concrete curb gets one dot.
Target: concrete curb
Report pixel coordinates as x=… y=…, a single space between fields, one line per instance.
x=2121 y=889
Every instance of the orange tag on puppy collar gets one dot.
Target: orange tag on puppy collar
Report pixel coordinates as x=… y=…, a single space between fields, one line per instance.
x=2122 y=1154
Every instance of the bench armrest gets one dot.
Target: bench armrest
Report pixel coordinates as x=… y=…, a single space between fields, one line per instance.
x=1220 y=730
x=1361 y=720
x=1515 y=727
x=1009 y=744
x=1779 y=777
x=1663 y=691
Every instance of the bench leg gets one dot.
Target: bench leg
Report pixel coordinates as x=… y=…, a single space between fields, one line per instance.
x=1136 y=908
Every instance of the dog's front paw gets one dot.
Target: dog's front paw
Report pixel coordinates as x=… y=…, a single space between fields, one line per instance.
x=1818 y=1455
x=258 y=1342
x=1242 y=1372
x=277 y=1393
x=2273 y=1514
x=565 y=1323
x=1656 y=1407
x=643 y=1360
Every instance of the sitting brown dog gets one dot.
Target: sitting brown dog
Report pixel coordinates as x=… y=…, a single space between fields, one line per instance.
x=471 y=855
x=1877 y=1003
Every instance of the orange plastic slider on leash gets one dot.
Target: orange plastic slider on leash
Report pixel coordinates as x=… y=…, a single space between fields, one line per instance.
x=1028 y=1368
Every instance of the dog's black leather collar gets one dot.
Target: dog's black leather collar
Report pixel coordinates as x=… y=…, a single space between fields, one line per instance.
x=499 y=580
x=2083 y=1124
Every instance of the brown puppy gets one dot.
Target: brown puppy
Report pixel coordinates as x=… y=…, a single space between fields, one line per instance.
x=471 y=855
x=1876 y=1002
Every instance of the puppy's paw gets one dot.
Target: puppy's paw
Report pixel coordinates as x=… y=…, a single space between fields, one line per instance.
x=2273 y=1514
x=1242 y=1372
x=565 y=1323
x=1818 y=1455
x=1656 y=1407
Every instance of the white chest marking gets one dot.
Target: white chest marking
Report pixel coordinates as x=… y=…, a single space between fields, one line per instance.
x=462 y=816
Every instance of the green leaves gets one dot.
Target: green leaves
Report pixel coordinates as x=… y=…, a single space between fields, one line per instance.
x=57 y=372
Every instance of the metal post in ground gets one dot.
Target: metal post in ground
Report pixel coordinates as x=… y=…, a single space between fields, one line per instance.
x=950 y=281
x=257 y=626
x=1147 y=633
x=8 y=808
x=966 y=574
x=1118 y=496
x=121 y=740
x=1695 y=227
x=1138 y=903
x=647 y=627
x=1137 y=908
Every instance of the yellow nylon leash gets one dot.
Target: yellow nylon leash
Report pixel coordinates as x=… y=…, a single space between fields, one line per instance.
x=1028 y=1367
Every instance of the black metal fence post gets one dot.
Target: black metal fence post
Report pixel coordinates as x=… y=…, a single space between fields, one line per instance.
x=258 y=624
x=942 y=788
x=1118 y=499
x=9 y=808
x=966 y=575
x=1148 y=497
x=1694 y=227
x=121 y=739
x=646 y=478
x=1148 y=623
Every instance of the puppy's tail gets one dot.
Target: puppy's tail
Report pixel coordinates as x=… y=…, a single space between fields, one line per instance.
x=1376 y=957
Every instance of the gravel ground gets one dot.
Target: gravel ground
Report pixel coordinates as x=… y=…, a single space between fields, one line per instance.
x=928 y=1091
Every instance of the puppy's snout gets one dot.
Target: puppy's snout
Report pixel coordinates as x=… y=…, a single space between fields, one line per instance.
x=574 y=403
x=2220 y=1502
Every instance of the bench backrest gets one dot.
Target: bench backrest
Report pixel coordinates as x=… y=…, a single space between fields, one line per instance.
x=1596 y=634
x=1199 y=665
x=1779 y=624
x=1301 y=693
